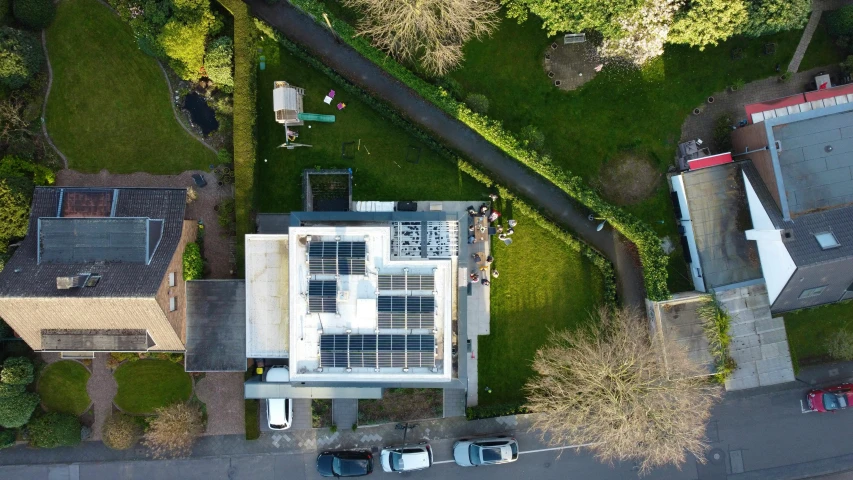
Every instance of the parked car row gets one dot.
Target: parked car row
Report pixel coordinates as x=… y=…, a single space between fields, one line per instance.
x=407 y=458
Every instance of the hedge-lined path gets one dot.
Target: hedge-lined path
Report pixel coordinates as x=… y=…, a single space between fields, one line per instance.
x=102 y=388
x=557 y=205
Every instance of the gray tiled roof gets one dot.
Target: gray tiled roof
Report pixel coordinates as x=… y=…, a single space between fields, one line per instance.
x=800 y=232
x=24 y=277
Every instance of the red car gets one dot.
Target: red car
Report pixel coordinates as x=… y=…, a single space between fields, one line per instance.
x=830 y=399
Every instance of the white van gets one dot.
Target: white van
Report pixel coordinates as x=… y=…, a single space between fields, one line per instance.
x=279 y=410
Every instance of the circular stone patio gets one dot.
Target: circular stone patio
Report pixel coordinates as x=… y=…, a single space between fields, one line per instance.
x=571 y=65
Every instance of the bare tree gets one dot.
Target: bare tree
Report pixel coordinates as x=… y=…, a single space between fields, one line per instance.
x=174 y=430
x=433 y=30
x=629 y=395
x=12 y=120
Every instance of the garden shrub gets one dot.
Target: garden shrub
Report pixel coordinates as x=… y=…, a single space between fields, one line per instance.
x=840 y=22
x=244 y=118
x=53 y=430
x=13 y=166
x=16 y=411
x=193 y=262
x=218 y=63
x=174 y=430
x=491 y=411
x=225 y=215
x=21 y=57
x=8 y=391
x=652 y=256
x=716 y=323
x=17 y=371
x=16 y=194
x=7 y=438
x=478 y=103
x=35 y=14
x=533 y=138
x=121 y=432
x=723 y=133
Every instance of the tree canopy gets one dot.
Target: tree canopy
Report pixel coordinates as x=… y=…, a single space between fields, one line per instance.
x=35 y=14
x=771 y=16
x=21 y=57
x=431 y=32
x=631 y=396
x=219 y=61
x=708 y=22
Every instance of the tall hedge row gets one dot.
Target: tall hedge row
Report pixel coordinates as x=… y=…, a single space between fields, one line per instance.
x=604 y=266
x=652 y=256
x=245 y=145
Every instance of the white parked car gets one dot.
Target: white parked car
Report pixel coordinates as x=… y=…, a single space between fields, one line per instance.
x=406 y=458
x=485 y=451
x=279 y=410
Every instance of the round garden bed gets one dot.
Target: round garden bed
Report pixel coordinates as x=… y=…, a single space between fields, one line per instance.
x=62 y=387
x=145 y=385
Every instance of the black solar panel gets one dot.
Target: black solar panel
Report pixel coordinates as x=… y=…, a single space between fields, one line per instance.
x=341 y=351
x=406 y=312
x=322 y=296
x=406 y=282
x=337 y=258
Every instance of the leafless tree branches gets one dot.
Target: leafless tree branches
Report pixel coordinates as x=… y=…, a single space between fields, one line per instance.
x=432 y=31
x=174 y=430
x=633 y=397
x=12 y=120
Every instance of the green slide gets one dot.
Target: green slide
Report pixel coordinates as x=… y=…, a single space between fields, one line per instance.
x=316 y=117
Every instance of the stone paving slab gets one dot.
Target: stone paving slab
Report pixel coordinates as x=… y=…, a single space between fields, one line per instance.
x=222 y=393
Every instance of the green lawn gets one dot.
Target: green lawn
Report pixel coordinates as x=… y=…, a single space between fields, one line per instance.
x=822 y=49
x=380 y=169
x=809 y=329
x=145 y=385
x=109 y=104
x=543 y=285
x=620 y=110
x=62 y=387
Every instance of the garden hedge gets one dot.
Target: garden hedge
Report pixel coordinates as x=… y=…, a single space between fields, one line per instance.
x=245 y=144
x=491 y=411
x=598 y=260
x=54 y=430
x=652 y=256
x=193 y=263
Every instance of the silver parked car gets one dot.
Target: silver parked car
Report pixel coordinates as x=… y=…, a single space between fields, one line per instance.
x=406 y=458
x=485 y=451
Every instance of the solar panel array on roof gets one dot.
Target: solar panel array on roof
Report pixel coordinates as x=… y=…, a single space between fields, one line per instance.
x=337 y=258
x=406 y=312
x=406 y=282
x=322 y=296
x=377 y=351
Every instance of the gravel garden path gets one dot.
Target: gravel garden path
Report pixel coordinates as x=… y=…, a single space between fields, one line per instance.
x=222 y=393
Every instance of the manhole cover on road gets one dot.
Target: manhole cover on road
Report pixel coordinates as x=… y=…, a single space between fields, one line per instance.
x=716 y=456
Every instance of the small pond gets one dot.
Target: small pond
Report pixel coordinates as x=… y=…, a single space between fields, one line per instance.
x=201 y=113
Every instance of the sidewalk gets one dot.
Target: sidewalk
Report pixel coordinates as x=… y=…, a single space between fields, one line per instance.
x=286 y=442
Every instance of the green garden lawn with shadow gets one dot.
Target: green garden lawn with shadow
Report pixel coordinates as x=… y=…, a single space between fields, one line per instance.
x=109 y=105
x=145 y=385
x=62 y=387
x=810 y=329
x=543 y=285
x=620 y=110
x=380 y=167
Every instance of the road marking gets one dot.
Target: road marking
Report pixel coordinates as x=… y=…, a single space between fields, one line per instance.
x=804 y=409
x=565 y=447
x=558 y=448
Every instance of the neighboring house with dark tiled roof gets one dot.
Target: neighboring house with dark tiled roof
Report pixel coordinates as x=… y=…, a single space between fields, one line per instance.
x=792 y=177
x=100 y=270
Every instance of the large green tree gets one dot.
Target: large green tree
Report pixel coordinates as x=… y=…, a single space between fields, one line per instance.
x=576 y=15
x=708 y=22
x=21 y=57
x=771 y=16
